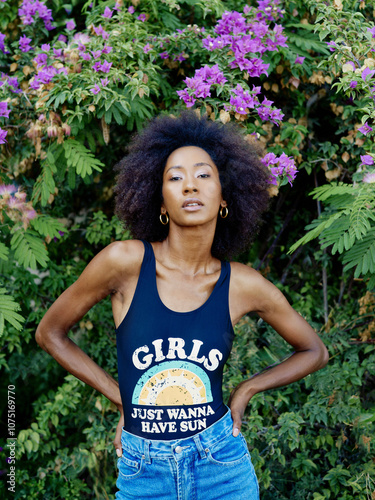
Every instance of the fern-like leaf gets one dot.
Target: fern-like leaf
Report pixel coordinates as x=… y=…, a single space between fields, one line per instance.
x=4 y=251
x=362 y=255
x=81 y=158
x=8 y=308
x=29 y=249
x=317 y=227
x=47 y=226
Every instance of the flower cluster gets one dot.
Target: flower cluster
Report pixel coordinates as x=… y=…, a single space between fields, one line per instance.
x=30 y=8
x=280 y=167
x=13 y=202
x=200 y=84
x=246 y=38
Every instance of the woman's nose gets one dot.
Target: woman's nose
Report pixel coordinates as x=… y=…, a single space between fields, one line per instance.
x=190 y=186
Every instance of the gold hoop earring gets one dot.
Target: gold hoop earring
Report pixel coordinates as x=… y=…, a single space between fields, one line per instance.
x=166 y=219
x=226 y=212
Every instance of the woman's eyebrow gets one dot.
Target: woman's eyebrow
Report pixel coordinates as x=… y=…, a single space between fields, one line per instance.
x=200 y=164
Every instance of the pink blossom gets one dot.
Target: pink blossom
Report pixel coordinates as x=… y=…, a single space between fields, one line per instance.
x=369 y=178
x=131 y=9
x=299 y=60
x=7 y=189
x=147 y=48
x=142 y=17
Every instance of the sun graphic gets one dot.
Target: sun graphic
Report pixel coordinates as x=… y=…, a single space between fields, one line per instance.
x=174 y=384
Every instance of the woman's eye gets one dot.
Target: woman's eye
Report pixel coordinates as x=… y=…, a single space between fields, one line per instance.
x=204 y=175
x=175 y=178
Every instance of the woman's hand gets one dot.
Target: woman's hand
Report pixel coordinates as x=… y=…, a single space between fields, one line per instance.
x=238 y=401
x=117 y=440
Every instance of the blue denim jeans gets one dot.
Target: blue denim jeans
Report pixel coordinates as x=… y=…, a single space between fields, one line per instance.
x=211 y=465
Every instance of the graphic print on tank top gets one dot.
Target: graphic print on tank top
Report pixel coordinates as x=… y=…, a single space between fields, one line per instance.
x=170 y=364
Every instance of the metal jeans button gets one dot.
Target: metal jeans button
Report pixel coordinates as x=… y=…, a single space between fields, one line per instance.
x=178 y=449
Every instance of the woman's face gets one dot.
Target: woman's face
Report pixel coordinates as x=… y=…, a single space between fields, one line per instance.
x=191 y=187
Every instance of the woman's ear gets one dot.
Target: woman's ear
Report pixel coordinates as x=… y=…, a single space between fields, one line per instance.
x=223 y=203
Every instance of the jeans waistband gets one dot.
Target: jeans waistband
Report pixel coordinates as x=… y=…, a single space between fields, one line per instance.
x=178 y=448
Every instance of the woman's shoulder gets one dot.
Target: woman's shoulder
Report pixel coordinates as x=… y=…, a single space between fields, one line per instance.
x=247 y=279
x=122 y=256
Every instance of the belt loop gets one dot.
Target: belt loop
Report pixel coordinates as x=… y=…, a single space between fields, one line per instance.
x=199 y=446
x=147 y=451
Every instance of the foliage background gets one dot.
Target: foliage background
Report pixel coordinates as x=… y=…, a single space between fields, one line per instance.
x=311 y=440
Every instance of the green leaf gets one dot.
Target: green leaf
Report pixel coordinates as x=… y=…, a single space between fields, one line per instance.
x=8 y=308
x=28 y=248
x=4 y=251
x=81 y=159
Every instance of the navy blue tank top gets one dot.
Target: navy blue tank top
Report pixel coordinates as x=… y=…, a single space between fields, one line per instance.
x=170 y=364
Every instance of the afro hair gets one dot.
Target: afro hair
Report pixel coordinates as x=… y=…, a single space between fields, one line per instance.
x=244 y=179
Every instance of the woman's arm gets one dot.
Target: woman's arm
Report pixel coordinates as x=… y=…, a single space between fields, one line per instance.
x=261 y=296
x=103 y=276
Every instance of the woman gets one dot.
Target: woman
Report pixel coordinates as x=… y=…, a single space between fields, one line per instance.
x=192 y=192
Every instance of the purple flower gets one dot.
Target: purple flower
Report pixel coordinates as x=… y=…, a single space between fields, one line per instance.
x=96 y=89
x=353 y=84
x=188 y=99
x=57 y=52
x=3 y=134
x=107 y=49
x=70 y=25
x=85 y=56
x=24 y=43
x=105 y=67
x=367 y=72
x=332 y=46
x=30 y=8
x=62 y=38
x=164 y=55
x=131 y=9
x=367 y=160
x=96 y=66
x=41 y=60
x=286 y=167
x=180 y=57
x=299 y=60
x=142 y=17
x=365 y=129
x=46 y=47
x=4 y=111
x=107 y=13
x=372 y=31
x=147 y=48
x=104 y=81
x=100 y=31
x=2 y=46
x=13 y=82
x=96 y=54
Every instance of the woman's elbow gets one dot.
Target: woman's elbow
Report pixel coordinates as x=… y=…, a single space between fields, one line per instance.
x=323 y=357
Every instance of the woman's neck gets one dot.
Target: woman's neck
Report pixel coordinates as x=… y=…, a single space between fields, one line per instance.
x=187 y=249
